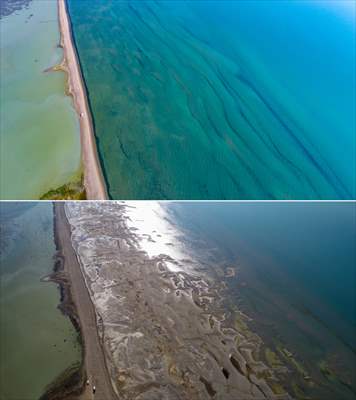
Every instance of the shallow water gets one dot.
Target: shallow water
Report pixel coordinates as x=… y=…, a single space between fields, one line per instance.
x=295 y=276
x=221 y=99
x=37 y=341
x=39 y=135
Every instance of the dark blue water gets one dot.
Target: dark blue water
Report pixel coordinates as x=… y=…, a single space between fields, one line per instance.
x=295 y=276
x=221 y=99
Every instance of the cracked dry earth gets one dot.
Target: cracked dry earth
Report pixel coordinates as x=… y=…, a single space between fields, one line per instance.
x=165 y=333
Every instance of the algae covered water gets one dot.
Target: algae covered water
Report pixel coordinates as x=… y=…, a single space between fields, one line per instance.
x=37 y=342
x=39 y=129
x=221 y=99
x=291 y=268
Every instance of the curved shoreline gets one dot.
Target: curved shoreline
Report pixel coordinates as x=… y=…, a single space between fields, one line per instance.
x=94 y=182
x=70 y=383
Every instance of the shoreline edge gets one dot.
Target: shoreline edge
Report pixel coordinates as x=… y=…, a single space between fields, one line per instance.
x=94 y=182
x=75 y=302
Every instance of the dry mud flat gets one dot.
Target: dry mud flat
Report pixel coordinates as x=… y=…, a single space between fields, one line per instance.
x=165 y=333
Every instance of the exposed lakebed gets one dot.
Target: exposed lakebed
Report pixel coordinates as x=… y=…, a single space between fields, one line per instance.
x=195 y=300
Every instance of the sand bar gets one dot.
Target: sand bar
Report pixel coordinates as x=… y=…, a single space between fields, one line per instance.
x=94 y=360
x=93 y=177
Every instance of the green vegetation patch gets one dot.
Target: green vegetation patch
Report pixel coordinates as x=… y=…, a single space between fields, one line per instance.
x=69 y=383
x=68 y=191
x=276 y=388
x=272 y=359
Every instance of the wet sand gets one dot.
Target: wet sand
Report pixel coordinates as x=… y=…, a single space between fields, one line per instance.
x=164 y=333
x=94 y=182
x=77 y=304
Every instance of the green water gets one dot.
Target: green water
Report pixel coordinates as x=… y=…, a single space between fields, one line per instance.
x=39 y=130
x=37 y=342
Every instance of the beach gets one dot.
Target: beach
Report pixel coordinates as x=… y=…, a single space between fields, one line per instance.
x=82 y=313
x=93 y=178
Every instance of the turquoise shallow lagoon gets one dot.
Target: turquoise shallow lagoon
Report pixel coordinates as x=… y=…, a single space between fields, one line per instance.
x=39 y=129
x=221 y=99
x=295 y=278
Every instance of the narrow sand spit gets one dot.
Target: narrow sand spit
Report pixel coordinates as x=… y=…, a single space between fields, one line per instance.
x=94 y=359
x=93 y=178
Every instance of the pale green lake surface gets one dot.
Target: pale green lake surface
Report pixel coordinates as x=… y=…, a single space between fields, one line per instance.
x=37 y=341
x=39 y=129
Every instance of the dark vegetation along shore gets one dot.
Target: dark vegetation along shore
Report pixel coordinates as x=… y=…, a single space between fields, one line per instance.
x=76 y=303
x=88 y=182
x=69 y=191
x=70 y=384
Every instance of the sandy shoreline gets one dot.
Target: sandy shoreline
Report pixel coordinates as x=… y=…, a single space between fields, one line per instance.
x=70 y=384
x=94 y=182
x=77 y=304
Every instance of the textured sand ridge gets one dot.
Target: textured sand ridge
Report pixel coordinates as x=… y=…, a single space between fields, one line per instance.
x=164 y=331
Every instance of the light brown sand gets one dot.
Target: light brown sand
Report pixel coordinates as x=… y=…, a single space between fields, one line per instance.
x=93 y=178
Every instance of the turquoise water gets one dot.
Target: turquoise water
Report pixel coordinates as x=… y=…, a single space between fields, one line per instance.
x=295 y=267
x=37 y=342
x=221 y=99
